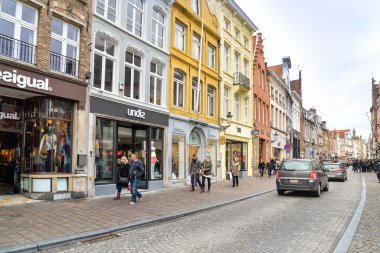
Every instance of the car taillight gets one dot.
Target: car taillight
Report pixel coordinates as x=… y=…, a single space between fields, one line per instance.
x=340 y=170
x=313 y=175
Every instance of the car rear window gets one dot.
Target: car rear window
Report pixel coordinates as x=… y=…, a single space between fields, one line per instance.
x=331 y=166
x=295 y=165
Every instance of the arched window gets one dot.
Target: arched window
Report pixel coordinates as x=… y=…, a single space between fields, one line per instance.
x=196 y=94
x=158 y=29
x=135 y=11
x=210 y=101
x=178 y=87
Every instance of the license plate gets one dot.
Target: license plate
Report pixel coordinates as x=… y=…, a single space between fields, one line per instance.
x=293 y=181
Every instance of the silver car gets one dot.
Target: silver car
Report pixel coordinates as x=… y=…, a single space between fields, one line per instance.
x=336 y=171
x=301 y=175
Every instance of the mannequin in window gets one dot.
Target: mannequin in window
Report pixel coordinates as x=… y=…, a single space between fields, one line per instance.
x=48 y=148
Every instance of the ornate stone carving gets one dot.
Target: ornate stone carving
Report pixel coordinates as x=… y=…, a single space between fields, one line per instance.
x=107 y=36
x=158 y=60
x=159 y=8
x=135 y=50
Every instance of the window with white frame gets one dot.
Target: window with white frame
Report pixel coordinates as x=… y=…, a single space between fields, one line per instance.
x=211 y=56
x=133 y=73
x=104 y=61
x=178 y=88
x=196 y=95
x=246 y=68
x=246 y=42
x=180 y=33
x=195 y=6
x=237 y=62
x=226 y=100
x=226 y=58
x=245 y=109
x=237 y=33
x=158 y=29
x=64 y=47
x=156 y=80
x=135 y=11
x=237 y=106
x=226 y=24
x=18 y=33
x=107 y=9
x=210 y=101
x=196 y=46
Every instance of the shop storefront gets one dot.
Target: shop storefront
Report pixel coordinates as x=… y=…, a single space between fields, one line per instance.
x=296 y=144
x=188 y=137
x=120 y=129
x=278 y=141
x=38 y=145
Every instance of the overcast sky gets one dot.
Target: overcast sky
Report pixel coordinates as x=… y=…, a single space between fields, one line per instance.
x=336 y=44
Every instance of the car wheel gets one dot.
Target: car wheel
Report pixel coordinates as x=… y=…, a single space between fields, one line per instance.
x=317 y=193
x=280 y=192
x=326 y=189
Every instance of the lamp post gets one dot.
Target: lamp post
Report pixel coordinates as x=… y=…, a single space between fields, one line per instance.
x=229 y=118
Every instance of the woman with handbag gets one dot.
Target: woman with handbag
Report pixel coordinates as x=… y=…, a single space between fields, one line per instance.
x=206 y=173
x=235 y=171
x=122 y=175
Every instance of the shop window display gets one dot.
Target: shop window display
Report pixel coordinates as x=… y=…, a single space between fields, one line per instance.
x=104 y=151
x=48 y=136
x=157 y=153
x=178 y=157
x=211 y=152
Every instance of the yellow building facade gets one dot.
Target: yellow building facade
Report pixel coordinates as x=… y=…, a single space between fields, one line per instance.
x=194 y=106
x=236 y=87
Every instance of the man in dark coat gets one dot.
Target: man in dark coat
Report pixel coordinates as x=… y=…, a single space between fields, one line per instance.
x=136 y=172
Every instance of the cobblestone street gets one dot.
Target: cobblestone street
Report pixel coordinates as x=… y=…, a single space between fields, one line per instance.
x=268 y=223
x=366 y=238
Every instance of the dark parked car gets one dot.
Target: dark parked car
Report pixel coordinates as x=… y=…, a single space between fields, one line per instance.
x=301 y=175
x=336 y=171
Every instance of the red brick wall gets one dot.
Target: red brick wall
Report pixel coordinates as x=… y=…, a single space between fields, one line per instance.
x=76 y=12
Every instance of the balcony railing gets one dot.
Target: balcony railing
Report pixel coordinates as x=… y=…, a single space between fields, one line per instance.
x=241 y=80
x=17 y=49
x=64 y=64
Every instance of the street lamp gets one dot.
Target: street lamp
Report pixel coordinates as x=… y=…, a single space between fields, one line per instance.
x=229 y=118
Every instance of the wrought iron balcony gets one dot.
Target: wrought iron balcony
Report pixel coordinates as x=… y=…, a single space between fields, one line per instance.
x=64 y=64
x=17 y=49
x=241 y=80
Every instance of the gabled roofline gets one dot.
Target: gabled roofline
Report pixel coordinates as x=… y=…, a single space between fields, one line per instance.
x=242 y=13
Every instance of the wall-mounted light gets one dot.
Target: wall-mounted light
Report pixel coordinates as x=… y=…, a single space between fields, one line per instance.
x=229 y=118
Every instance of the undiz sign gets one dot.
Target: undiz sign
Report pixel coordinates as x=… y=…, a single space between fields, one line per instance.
x=23 y=81
x=136 y=113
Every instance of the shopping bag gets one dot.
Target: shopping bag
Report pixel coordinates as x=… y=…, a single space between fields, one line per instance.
x=129 y=187
x=228 y=175
x=188 y=180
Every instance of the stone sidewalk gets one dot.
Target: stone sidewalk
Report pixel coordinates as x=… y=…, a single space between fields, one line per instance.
x=47 y=224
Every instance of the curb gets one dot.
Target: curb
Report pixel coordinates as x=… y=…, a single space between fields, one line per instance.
x=59 y=241
x=347 y=237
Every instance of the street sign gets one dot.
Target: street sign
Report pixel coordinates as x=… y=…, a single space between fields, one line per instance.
x=288 y=147
x=222 y=140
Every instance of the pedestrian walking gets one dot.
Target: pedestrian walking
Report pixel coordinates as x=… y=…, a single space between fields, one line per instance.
x=207 y=168
x=136 y=172
x=235 y=172
x=195 y=166
x=261 y=167
x=269 y=168
x=377 y=168
x=122 y=175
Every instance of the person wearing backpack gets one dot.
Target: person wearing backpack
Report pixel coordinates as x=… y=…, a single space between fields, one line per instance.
x=136 y=172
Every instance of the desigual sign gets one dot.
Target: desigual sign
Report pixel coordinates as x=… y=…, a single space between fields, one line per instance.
x=136 y=113
x=23 y=81
x=9 y=115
